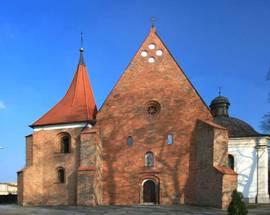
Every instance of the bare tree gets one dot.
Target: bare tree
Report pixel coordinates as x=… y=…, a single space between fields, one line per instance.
x=265 y=123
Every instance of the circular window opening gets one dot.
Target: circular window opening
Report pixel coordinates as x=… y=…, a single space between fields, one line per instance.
x=159 y=52
x=144 y=53
x=152 y=46
x=151 y=59
x=152 y=108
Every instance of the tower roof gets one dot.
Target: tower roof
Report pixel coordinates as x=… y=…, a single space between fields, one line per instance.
x=78 y=105
x=236 y=127
x=220 y=100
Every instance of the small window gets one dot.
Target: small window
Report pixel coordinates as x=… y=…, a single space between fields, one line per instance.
x=61 y=175
x=231 y=161
x=149 y=159
x=130 y=141
x=65 y=144
x=170 y=139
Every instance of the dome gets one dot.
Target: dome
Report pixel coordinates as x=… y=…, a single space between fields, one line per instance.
x=219 y=106
x=220 y=100
x=236 y=127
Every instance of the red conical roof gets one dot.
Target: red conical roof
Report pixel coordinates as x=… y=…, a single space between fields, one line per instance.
x=78 y=105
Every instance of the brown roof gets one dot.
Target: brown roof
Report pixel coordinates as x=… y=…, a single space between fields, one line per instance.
x=78 y=105
x=225 y=170
x=213 y=124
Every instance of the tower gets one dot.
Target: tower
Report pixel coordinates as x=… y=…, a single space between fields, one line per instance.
x=53 y=149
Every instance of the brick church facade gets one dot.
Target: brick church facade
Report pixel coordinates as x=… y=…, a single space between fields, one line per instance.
x=153 y=141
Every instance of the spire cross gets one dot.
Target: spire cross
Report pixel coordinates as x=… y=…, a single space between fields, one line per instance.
x=219 y=91
x=152 y=19
x=81 y=40
x=81 y=61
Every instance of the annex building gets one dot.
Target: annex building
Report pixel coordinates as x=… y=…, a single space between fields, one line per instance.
x=248 y=153
x=153 y=141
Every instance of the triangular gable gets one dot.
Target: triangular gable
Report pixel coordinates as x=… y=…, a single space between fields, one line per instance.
x=152 y=55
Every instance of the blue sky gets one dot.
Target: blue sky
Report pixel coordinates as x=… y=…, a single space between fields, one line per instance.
x=218 y=43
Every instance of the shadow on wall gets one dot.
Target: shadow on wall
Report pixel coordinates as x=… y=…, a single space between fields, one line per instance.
x=191 y=188
x=110 y=158
x=189 y=174
x=246 y=177
x=173 y=170
x=247 y=174
x=204 y=185
x=55 y=193
x=72 y=188
x=170 y=170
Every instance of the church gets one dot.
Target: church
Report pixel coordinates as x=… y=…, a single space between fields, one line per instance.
x=153 y=141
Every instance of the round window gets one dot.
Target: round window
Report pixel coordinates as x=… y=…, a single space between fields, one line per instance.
x=144 y=53
x=153 y=108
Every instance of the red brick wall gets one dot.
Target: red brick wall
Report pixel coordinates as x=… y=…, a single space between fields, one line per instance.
x=20 y=187
x=124 y=114
x=40 y=185
x=29 y=150
x=208 y=179
x=229 y=184
x=89 y=172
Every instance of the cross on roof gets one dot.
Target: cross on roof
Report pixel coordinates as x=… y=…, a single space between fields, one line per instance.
x=219 y=91
x=152 y=19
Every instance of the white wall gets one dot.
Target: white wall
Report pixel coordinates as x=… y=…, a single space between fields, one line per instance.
x=6 y=188
x=244 y=151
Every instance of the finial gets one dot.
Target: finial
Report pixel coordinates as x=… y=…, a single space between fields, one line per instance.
x=81 y=49
x=153 y=27
x=219 y=91
x=152 y=19
x=81 y=61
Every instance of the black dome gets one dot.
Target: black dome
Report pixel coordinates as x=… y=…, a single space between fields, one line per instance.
x=236 y=127
x=220 y=100
x=220 y=106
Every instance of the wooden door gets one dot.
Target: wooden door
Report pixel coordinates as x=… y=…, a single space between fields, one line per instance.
x=149 y=192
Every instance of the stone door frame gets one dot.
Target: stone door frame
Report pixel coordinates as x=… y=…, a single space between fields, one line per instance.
x=157 y=190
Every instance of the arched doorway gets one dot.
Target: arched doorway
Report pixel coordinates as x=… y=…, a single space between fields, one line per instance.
x=150 y=191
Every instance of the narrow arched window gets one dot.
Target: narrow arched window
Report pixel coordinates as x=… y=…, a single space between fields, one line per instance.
x=65 y=143
x=170 y=139
x=231 y=161
x=130 y=141
x=61 y=175
x=149 y=159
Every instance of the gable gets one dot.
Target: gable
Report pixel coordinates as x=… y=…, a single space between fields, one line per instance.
x=154 y=70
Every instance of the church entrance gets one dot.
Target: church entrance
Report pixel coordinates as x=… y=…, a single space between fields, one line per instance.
x=150 y=191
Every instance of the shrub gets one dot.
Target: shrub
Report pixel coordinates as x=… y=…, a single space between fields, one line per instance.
x=237 y=205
